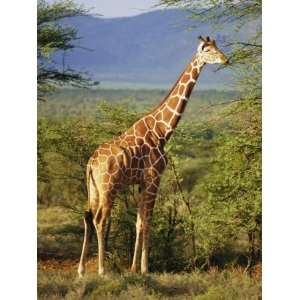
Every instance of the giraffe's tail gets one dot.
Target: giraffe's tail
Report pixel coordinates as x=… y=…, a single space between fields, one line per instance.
x=88 y=214
x=88 y=218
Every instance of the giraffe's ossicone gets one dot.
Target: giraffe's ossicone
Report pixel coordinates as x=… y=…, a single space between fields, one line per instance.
x=137 y=157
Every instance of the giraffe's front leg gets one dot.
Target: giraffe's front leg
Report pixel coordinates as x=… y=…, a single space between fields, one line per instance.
x=138 y=240
x=147 y=218
x=149 y=196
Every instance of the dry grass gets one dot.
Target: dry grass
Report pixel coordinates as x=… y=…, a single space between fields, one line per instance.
x=228 y=284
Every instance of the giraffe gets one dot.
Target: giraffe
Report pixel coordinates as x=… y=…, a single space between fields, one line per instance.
x=137 y=157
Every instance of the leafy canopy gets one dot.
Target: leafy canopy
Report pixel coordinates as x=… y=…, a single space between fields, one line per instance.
x=54 y=37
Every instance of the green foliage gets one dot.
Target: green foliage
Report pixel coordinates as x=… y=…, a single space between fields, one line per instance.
x=63 y=151
x=227 y=199
x=54 y=37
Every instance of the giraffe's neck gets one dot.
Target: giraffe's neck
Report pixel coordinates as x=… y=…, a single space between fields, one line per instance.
x=170 y=110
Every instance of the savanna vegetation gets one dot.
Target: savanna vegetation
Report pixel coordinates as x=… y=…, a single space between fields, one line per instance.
x=206 y=236
x=207 y=214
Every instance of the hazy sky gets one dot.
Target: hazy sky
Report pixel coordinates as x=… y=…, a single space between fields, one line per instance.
x=118 y=8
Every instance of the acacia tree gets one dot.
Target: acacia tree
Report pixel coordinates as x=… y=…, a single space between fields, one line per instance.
x=53 y=37
x=233 y=185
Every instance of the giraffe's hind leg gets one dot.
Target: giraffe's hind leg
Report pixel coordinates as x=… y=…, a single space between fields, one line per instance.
x=93 y=199
x=100 y=218
x=88 y=223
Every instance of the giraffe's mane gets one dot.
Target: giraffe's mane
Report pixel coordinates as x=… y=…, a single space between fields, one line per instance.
x=173 y=87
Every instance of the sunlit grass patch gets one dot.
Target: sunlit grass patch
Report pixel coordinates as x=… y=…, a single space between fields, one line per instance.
x=59 y=233
x=227 y=284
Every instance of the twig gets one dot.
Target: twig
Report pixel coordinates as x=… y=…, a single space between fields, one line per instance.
x=244 y=44
x=222 y=103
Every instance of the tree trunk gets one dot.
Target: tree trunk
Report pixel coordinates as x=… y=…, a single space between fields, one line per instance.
x=187 y=203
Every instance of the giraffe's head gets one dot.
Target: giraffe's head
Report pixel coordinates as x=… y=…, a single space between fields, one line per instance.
x=209 y=52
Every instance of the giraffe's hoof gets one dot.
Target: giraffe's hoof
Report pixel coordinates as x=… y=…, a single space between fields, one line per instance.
x=80 y=272
x=144 y=271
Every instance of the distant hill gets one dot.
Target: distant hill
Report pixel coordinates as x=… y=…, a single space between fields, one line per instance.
x=149 y=48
